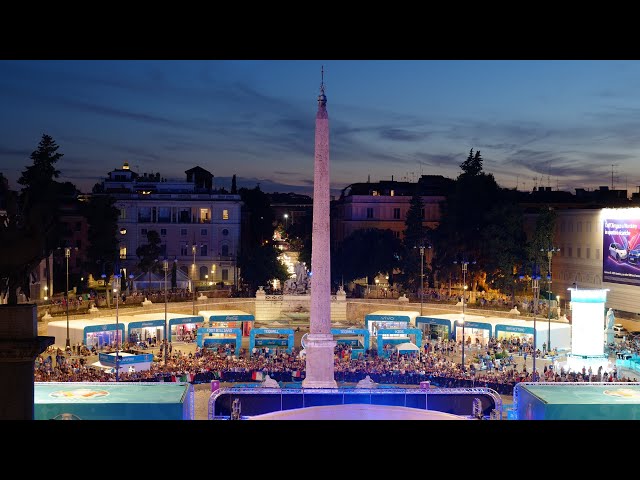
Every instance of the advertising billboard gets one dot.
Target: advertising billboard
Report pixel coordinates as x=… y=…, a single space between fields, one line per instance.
x=621 y=248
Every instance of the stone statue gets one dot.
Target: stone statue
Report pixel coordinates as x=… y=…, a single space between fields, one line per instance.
x=609 y=330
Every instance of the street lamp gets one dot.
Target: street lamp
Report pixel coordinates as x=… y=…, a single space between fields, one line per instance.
x=535 y=287
x=165 y=267
x=67 y=253
x=116 y=289
x=193 y=278
x=421 y=277
x=464 y=264
x=286 y=217
x=550 y=251
x=129 y=284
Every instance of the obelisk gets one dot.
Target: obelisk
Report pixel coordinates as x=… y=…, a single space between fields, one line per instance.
x=320 y=344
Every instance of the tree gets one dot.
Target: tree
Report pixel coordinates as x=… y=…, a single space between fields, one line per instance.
x=31 y=229
x=472 y=166
x=102 y=252
x=415 y=236
x=234 y=188
x=368 y=252
x=149 y=255
x=261 y=265
x=464 y=216
x=504 y=246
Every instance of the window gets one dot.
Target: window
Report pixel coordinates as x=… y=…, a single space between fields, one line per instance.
x=570 y=228
x=569 y=252
x=203 y=231
x=123 y=252
x=204 y=215
x=163 y=231
x=184 y=249
x=369 y=212
x=225 y=232
x=143 y=231
x=203 y=250
x=597 y=253
x=184 y=215
x=203 y=271
x=183 y=232
x=144 y=214
x=164 y=214
x=396 y=234
x=579 y=227
x=396 y=213
x=225 y=250
x=588 y=227
x=225 y=275
x=123 y=213
x=225 y=214
x=588 y=252
x=578 y=249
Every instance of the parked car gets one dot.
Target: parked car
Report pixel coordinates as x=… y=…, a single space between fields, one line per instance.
x=634 y=256
x=617 y=251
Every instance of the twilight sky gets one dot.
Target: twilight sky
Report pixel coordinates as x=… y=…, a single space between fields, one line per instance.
x=557 y=123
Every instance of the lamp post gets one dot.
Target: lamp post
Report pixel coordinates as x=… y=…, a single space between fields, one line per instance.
x=67 y=254
x=550 y=251
x=116 y=289
x=165 y=267
x=129 y=284
x=465 y=264
x=286 y=220
x=193 y=278
x=535 y=287
x=421 y=277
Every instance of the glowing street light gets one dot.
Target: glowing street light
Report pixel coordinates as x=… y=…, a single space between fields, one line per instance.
x=116 y=289
x=464 y=264
x=550 y=251
x=286 y=220
x=193 y=278
x=165 y=267
x=67 y=253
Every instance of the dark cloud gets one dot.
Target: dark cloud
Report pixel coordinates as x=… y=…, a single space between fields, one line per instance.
x=14 y=152
x=398 y=134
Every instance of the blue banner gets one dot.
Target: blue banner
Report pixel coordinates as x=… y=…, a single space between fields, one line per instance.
x=287 y=332
x=110 y=360
x=223 y=335
x=354 y=332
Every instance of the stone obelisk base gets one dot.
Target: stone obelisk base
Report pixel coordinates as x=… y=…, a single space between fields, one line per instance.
x=19 y=346
x=319 y=351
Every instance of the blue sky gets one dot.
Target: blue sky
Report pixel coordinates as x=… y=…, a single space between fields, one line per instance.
x=564 y=124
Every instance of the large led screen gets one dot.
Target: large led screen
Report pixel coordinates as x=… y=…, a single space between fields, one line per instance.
x=621 y=248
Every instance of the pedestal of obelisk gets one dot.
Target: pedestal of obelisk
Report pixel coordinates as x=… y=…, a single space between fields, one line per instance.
x=19 y=347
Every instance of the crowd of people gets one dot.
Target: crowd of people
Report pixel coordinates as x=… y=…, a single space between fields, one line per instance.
x=498 y=365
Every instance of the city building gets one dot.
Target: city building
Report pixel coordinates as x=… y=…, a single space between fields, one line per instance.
x=199 y=225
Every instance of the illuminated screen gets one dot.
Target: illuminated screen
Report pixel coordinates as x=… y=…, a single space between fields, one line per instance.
x=587 y=337
x=621 y=246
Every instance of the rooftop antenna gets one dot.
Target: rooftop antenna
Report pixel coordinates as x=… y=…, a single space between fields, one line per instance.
x=517 y=180
x=612 y=165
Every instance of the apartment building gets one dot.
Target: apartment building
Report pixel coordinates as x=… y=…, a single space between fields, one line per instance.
x=199 y=225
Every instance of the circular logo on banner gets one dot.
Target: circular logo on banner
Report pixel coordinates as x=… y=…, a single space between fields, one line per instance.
x=79 y=393
x=623 y=393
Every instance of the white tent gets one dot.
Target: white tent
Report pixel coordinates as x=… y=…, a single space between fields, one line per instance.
x=407 y=347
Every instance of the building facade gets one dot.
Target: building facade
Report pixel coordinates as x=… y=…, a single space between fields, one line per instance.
x=199 y=226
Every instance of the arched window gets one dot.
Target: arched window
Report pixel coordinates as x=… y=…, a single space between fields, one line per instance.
x=203 y=271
